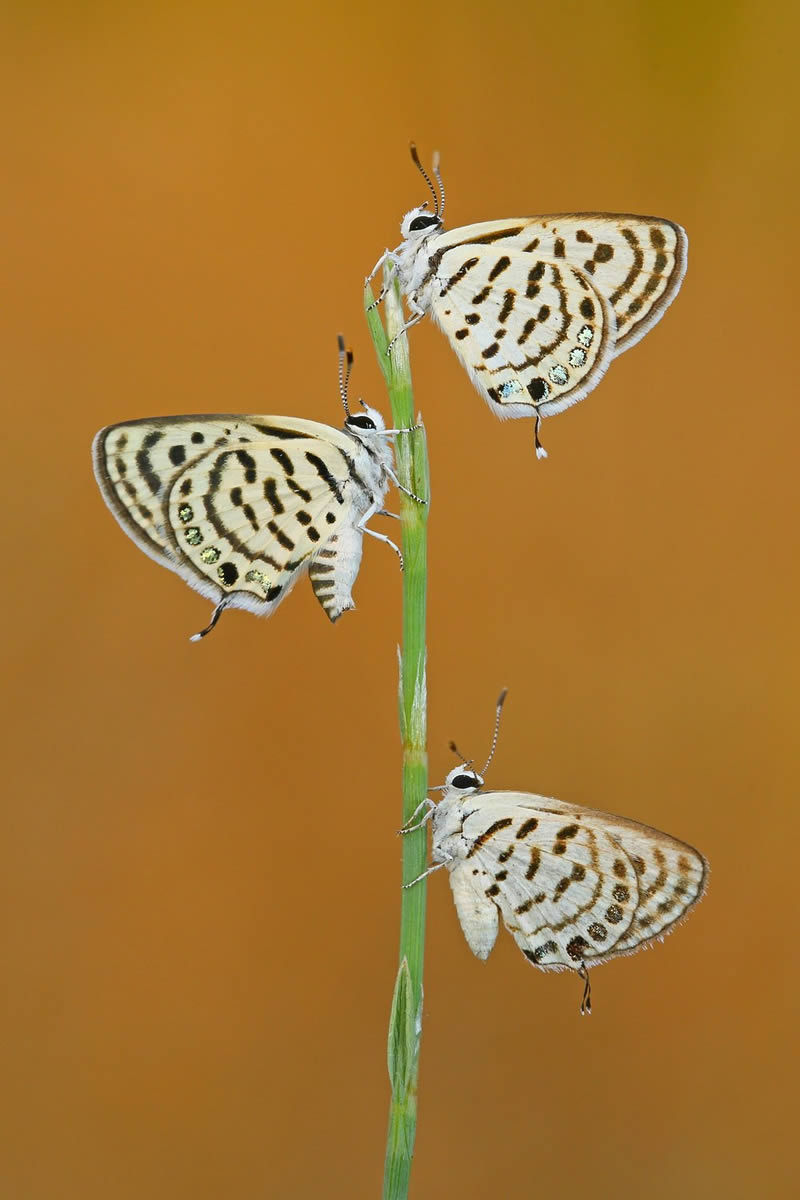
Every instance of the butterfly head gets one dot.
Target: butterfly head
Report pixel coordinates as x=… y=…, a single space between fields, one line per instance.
x=463 y=781
x=419 y=224
x=364 y=423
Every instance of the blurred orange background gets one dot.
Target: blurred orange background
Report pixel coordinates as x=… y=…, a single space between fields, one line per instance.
x=201 y=877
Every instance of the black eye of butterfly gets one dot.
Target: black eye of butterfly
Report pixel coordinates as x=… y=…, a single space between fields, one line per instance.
x=361 y=422
x=464 y=781
x=422 y=223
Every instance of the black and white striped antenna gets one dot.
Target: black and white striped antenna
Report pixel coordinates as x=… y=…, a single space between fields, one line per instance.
x=501 y=699
x=437 y=176
x=426 y=176
x=344 y=378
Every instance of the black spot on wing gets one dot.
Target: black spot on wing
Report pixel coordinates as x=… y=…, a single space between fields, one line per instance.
x=249 y=464
x=272 y=497
x=280 y=536
x=298 y=490
x=282 y=458
x=508 y=306
x=502 y=264
x=144 y=464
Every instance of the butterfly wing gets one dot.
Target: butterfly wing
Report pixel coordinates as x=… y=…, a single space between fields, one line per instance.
x=535 y=335
x=636 y=262
x=577 y=886
x=237 y=506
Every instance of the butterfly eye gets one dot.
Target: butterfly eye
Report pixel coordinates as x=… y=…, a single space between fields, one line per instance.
x=359 y=421
x=465 y=781
x=424 y=222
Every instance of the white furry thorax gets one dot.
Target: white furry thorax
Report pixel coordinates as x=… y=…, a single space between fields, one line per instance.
x=413 y=256
x=373 y=451
x=450 y=813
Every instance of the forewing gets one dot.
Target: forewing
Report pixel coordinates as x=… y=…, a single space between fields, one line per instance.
x=534 y=334
x=135 y=465
x=636 y=262
x=236 y=506
x=671 y=878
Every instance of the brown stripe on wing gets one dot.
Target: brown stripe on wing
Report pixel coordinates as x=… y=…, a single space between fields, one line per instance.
x=558 y=284
x=633 y=274
x=459 y=275
x=487 y=834
x=657 y=276
x=278 y=431
x=486 y=239
x=223 y=530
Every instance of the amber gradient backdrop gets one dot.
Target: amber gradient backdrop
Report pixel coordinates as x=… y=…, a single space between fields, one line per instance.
x=200 y=887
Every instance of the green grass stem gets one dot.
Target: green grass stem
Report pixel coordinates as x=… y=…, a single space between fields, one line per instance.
x=405 y=1025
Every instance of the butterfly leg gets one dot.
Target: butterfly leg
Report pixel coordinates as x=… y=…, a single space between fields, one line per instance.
x=430 y=870
x=431 y=805
x=419 y=313
x=586 y=1002
x=390 y=257
x=215 y=616
x=362 y=528
x=402 y=488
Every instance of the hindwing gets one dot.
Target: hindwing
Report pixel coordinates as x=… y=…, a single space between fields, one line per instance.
x=534 y=335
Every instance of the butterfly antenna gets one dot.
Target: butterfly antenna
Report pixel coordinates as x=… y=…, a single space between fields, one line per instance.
x=466 y=761
x=424 y=175
x=501 y=699
x=344 y=377
x=215 y=616
x=437 y=176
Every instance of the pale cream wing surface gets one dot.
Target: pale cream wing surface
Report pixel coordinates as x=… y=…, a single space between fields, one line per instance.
x=637 y=262
x=535 y=335
x=575 y=886
x=236 y=506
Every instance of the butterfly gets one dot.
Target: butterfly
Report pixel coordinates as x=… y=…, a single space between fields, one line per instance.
x=574 y=886
x=240 y=506
x=537 y=307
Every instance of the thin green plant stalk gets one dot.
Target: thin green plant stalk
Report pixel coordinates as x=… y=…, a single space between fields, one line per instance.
x=405 y=1024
